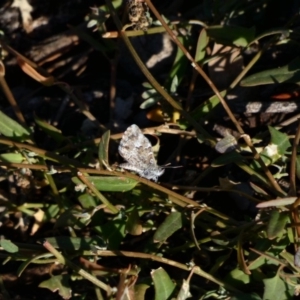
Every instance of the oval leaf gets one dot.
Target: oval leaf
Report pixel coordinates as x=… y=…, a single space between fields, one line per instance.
x=50 y=130
x=231 y=35
x=8 y=246
x=287 y=73
x=201 y=46
x=226 y=158
x=12 y=157
x=11 y=128
x=276 y=224
x=58 y=283
x=172 y=223
x=277 y=289
x=281 y=140
x=163 y=284
x=110 y=184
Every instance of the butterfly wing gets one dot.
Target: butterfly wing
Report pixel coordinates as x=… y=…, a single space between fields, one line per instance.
x=136 y=149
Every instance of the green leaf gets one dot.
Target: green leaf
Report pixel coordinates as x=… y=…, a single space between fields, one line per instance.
x=174 y=84
x=150 y=102
x=133 y=224
x=171 y=224
x=12 y=129
x=12 y=157
x=163 y=285
x=52 y=131
x=201 y=46
x=274 y=151
x=51 y=212
x=150 y=92
x=179 y=66
x=288 y=73
x=298 y=166
x=8 y=246
x=58 y=283
x=140 y=290
x=69 y=218
x=280 y=139
x=237 y=278
x=277 y=289
x=103 y=149
x=231 y=35
x=277 y=224
x=67 y=243
x=113 y=232
x=110 y=183
x=87 y=201
x=279 y=32
x=226 y=158
x=201 y=112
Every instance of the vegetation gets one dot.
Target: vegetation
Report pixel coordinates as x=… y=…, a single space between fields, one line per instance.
x=215 y=84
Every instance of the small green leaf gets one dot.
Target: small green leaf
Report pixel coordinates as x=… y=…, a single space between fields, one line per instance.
x=172 y=223
x=58 y=283
x=277 y=224
x=140 y=290
x=226 y=158
x=133 y=224
x=231 y=35
x=237 y=278
x=201 y=46
x=87 y=201
x=69 y=218
x=163 y=285
x=287 y=73
x=275 y=150
x=67 y=243
x=12 y=157
x=50 y=130
x=277 y=289
x=103 y=149
x=179 y=66
x=11 y=128
x=110 y=183
x=298 y=166
x=8 y=246
x=149 y=102
x=113 y=232
x=174 y=84
x=280 y=139
x=51 y=212
x=201 y=112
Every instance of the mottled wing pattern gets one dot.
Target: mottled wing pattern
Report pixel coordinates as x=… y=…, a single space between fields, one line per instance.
x=136 y=149
x=134 y=146
x=135 y=10
x=138 y=13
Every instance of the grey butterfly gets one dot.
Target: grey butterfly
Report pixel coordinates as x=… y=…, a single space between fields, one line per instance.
x=136 y=149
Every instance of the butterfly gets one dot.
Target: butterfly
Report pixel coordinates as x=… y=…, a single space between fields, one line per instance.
x=136 y=149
